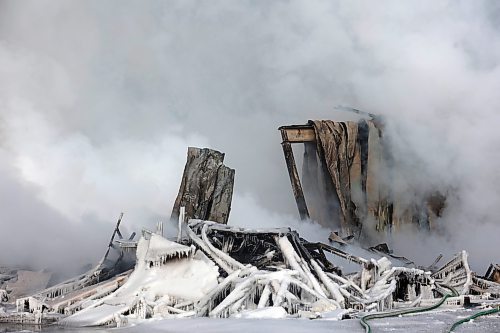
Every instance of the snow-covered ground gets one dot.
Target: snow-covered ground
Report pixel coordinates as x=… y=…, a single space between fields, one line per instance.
x=423 y=323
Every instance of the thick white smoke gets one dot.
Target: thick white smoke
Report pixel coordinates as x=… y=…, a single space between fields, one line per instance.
x=99 y=101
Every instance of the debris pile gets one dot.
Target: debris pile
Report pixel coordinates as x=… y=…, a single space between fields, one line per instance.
x=215 y=270
x=278 y=268
x=65 y=298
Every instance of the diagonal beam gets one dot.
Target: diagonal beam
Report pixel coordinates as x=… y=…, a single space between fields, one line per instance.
x=294 y=178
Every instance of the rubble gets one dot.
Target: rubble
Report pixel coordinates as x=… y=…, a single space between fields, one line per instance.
x=489 y=284
x=216 y=270
x=220 y=271
x=493 y=273
x=74 y=294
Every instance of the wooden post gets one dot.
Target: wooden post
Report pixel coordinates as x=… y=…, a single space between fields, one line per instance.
x=294 y=178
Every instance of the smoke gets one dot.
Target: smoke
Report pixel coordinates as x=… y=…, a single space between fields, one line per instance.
x=99 y=101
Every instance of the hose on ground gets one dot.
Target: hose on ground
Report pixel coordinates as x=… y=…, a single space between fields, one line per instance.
x=474 y=316
x=368 y=329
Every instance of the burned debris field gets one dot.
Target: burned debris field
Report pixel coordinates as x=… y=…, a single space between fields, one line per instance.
x=249 y=166
x=212 y=269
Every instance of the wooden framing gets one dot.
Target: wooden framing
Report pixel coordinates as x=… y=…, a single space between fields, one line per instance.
x=296 y=134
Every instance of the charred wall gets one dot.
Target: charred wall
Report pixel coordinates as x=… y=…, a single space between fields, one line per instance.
x=347 y=179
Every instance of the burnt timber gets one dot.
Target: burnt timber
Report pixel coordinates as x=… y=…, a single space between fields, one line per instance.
x=206 y=188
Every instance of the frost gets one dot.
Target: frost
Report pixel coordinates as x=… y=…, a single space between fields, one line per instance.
x=219 y=271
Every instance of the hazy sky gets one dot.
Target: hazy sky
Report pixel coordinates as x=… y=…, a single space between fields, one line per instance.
x=100 y=99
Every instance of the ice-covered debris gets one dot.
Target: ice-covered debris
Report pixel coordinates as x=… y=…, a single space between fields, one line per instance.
x=303 y=279
x=337 y=314
x=268 y=312
x=493 y=273
x=487 y=284
x=456 y=274
x=166 y=289
x=219 y=271
x=161 y=250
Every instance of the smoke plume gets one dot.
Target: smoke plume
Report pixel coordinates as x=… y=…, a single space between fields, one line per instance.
x=99 y=101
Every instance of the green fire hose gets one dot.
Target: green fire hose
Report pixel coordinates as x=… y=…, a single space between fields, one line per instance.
x=368 y=329
x=474 y=316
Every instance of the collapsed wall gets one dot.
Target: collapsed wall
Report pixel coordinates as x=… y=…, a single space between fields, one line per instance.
x=347 y=178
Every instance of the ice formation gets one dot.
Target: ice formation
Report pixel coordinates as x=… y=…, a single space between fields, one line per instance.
x=215 y=270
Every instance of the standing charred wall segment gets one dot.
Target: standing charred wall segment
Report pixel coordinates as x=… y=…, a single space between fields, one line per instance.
x=206 y=188
x=346 y=178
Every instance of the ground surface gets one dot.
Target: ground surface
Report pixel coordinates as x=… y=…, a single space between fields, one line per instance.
x=424 y=323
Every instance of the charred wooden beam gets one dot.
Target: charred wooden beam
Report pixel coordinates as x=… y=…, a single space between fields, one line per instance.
x=116 y=231
x=294 y=179
x=337 y=252
x=298 y=133
x=493 y=273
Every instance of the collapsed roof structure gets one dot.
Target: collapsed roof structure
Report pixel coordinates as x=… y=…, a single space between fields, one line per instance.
x=220 y=271
x=215 y=270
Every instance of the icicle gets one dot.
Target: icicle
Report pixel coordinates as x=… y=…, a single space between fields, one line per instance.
x=206 y=303
x=311 y=291
x=234 y=296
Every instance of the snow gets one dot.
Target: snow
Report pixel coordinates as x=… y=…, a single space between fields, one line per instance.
x=422 y=323
x=268 y=312
x=172 y=280
x=243 y=325
x=161 y=249
x=158 y=286
x=297 y=264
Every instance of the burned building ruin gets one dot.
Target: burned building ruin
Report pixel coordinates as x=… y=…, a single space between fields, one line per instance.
x=345 y=182
x=215 y=270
